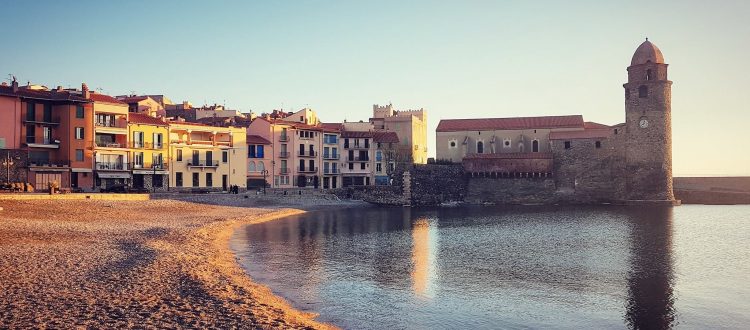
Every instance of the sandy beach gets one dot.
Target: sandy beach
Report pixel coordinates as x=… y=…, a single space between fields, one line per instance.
x=146 y=264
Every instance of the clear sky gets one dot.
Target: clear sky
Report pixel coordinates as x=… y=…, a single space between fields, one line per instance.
x=456 y=59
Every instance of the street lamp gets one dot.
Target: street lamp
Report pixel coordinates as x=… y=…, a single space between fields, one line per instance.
x=7 y=162
x=264 y=180
x=153 y=178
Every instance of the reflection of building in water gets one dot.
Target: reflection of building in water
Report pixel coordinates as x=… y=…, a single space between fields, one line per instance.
x=423 y=256
x=650 y=296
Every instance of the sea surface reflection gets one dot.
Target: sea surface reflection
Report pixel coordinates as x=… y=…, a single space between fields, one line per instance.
x=510 y=267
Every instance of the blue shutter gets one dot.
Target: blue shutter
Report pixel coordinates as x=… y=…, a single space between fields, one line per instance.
x=259 y=152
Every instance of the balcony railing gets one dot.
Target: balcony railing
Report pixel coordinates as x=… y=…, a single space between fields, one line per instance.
x=330 y=141
x=118 y=123
x=331 y=156
x=48 y=163
x=158 y=167
x=146 y=145
x=108 y=144
x=331 y=170
x=284 y=154
x=283 y=138
x=203 y=163
x=284 y=170
x=307 y=169
x=308 y=154
x=356 y=146
x=41 y=142
x=359 y=159
x=112 y=166
x=44 y=121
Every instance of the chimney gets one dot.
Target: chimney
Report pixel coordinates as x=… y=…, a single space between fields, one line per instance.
x=85 y=91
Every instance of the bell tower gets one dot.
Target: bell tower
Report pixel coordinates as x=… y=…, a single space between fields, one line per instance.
x=648 y=113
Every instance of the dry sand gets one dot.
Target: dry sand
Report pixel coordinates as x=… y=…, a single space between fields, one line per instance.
x=153 y=264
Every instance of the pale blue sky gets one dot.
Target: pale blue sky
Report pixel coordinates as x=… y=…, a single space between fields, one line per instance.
x=457 y=59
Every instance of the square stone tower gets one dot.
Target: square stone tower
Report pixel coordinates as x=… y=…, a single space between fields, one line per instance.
x=648 y=112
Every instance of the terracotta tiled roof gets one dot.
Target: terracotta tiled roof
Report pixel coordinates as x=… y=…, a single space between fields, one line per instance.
x=105 y=98
x=512 y=155
x=385 y=137
x=331 y=127
x=452 y=125
x=594 y=133
x=257 y=139
x=133 y=99
x=356 y=134
x=138 y=118
x=41 y=94
x=591 y=124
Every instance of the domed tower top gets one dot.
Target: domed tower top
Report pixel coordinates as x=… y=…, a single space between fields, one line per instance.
x=647 y=52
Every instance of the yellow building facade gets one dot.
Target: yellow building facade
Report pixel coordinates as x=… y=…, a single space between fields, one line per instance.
x=206 y=158
x=149 y=152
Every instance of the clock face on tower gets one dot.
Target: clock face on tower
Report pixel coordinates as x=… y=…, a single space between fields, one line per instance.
x=643 y=122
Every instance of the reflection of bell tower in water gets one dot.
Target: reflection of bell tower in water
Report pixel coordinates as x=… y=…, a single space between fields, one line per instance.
x=650 y=302
x=648 y=122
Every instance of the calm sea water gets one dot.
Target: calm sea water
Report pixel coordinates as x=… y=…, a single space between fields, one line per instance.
x=509 y=268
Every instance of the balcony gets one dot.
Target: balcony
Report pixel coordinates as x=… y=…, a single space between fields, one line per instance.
x=331 y=170
x=146 y=145
x=117 y=123
x=203 y=163
x=151 y=167
x=112 y=166
x=45 y=121
x=359 y=159
x=308 y=154
x=330 y=156
x=283 y=154
x=330 y=141
x=307 y=169
x=48 y=163
x=283 y=138
x=284 y=170
x=109 y=144
x=41 y=142
x=357 y=146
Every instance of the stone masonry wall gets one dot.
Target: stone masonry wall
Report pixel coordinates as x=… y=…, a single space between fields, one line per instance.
x=432 y=184
x=587 y=174
x=511 y=191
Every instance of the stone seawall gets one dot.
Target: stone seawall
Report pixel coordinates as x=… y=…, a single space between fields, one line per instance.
x=433 y=184
x=511 y=191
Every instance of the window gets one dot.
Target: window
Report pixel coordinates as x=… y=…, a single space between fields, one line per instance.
x=301 y=165
x=648 y=74
x=378 y=167
x=259 y=151
x=138 y=159
x=157 y=159
x=137 y=139
x=79 y=155
x=346 y=143
x=179 y=155
x=30 y=134
x=312 y=165
x=209 y=158
x=196 y=179
x=535 y=146
x=209 y=179
x=79 y=133
x=452 y=144
x=567 y=144
x=251 y=166
x=598 y=144
x=616 y=131
x=351 y=166
x=643 y=92
x=480 y=147
x=506 y=143
x=301 y=149
x=79 y=111
x=362 y=166
x=178 y=179
x=30 y=111
x=261 y=166
x=47 y=115
x=196 y=157
x=224 y=156
x=157 y=140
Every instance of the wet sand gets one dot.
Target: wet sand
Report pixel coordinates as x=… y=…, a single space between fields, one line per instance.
x=116 y=264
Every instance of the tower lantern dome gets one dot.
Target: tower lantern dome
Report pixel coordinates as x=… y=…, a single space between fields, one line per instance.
x=647 y=52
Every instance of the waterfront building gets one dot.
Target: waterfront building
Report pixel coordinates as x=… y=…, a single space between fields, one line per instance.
x=144 y=104
x=579 y=161
x=206 y=158
x=259 y=160
x=111 y=144
x=331 y=158
x=358 y=161
x=386 y=156
x=149 y=150
x=409 y=125
x=46 y=135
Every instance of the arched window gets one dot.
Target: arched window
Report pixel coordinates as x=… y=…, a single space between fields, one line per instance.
x=598 y=144
x=261 y=166
x=251 y=167
x=480 y=147
x=648 y=74
x=535 y=146
x=642 y=91
x=520 y=147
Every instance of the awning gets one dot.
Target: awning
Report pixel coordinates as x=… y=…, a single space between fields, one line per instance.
x=113 y=175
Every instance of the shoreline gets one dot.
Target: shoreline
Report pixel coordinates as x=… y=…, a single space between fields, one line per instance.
x=158 y=263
